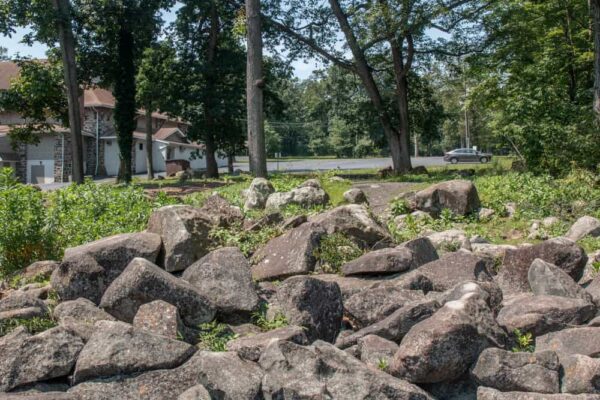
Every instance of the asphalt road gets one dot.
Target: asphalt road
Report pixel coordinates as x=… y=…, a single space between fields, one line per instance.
x=341 y=163
x=301 y=166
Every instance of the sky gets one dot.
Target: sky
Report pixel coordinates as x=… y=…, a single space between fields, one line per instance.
x=302 y=69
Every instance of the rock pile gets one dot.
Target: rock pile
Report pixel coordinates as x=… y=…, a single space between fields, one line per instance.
x=399 y=322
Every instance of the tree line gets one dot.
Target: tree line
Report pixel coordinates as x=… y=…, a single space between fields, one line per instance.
x=401 y=77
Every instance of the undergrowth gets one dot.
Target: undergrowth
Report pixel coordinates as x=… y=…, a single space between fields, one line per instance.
x=334 y=251
x=260 y=319
x=214 y=336
x=34 y=325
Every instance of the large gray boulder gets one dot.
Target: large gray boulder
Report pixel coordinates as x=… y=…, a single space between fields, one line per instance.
x=459 y=196
x=542 y=314
x=372 y=305
x=443 y=347
x=484 y=393
x=583 y=340
x=395 y=326
x=80 y=316
x=185 y=235
x=445 y=273
x=224 y=277
x=547 y=279
x=114 y=253
x=224 y=375
x=289 y=254
x=488 y=291
x=143 y=282
x=118 y=348
x=197 y=392
x=80 y=277
x=159 y=318
x=563 y=253
x=18 y=299
x=422 y=249
x=376 y=351
x=251 y=347
x=594 y=289
x=27 y=359
x=312 y=304
x=323 y=371
x=350 y=285
x=579 y=374
x=354 y=221
x=257 y=194
x=584 y=226
x=450 y=240
x=221 y=212
x=526 y=372
x=380 y=262
x=308 y=194
x=355 y=196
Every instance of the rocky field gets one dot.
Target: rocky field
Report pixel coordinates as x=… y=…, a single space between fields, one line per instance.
x=331 y=308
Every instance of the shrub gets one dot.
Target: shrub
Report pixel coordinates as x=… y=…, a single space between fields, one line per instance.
x=25 y=237
x=523 y=342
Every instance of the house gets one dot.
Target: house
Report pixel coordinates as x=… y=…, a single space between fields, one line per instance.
x=50 y=160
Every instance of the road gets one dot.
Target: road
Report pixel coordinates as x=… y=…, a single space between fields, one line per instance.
x=300 y=166
x=340 y=163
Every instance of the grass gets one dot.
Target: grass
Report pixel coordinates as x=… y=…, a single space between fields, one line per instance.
x=34 y=325
x=259 y=318
x=334 y=251
x=214 y=336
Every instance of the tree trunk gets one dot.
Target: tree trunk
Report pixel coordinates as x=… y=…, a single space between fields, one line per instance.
x=149 y=131
x=404 y=131
x=595 y=11
x=67 y=45
x=364 y=72
x=254 y=91
x=125 y=108
x=212 y=168
x=230 y=158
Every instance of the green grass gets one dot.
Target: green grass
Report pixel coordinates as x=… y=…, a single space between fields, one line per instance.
x=34 y=325
x=259 y=318
x=334 y=251
x=214 y=336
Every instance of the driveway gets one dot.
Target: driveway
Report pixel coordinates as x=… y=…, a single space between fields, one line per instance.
x=340 y=163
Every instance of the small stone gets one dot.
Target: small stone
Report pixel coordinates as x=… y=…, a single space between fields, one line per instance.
x=355 y=196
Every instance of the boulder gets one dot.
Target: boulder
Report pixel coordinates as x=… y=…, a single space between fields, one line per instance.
x=185 y=235
x=117 y=348
x=293 y=222
x=492 y=251
x=82 y=311
x=443 y=347
x=143 y=282
x=463 y=388
x=312 y=304
x=278 y=200
x=323 y=371
x=376 y=351
x=40 y=269
x=23 y=313
x=251 y=347
x=289 y=254
x=395 y=326
x=257 y=194
x=114 y=253
x=221 y=212
x=547 y=279
x=445 y=273
x=563 y=253
x=19 y=299
x=484 y=393
x=450 y=240
x=488 y=291
x=355 y=196
x=224 y=276
x=584 y=226
x=79 y=277
x=354 y=221
x=526 y=372
x=583 y=340
x=224 y=375
x=590 y=272
x=197 y=392
x=372 y=305
x=422 y=249
x=485 y=213
x=593 y=289
x=27 y=359
x=270 y=219
x=380 y=262
x=459 y=196
x=159 y=318
x=350 y=285
x=308 y=196
x=542 y=314
x=579 y=374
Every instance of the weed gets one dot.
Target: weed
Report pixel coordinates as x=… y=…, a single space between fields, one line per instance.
x=334 y=251
x=34 y=325
x=214 y=336
x=260 y=319
x=399 y=207
x=524 y=342
x=596 y=266
x=383 y=364
x=246 y=241
x=17 y=281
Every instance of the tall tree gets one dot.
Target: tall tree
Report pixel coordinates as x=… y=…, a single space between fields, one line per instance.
x=113 y=37
x=254 y=90
x=595 y=11
x=383 y=36
x=49 y=26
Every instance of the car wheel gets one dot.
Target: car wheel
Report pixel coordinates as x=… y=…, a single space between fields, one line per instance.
x=454 y=160
x=483 y=160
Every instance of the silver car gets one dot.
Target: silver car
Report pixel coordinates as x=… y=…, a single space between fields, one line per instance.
x=466 y=155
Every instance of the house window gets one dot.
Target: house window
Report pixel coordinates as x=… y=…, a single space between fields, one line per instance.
x=141 y=146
